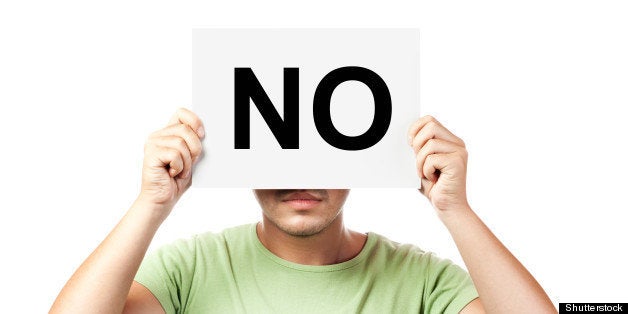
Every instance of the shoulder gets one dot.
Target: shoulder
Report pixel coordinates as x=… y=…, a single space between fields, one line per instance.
x=445 y=287
x=410 y=257
x=393 y=250
x=199 y=244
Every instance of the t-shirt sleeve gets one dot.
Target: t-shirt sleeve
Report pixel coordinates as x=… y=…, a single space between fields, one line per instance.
x=448 y=287
x=167 y=273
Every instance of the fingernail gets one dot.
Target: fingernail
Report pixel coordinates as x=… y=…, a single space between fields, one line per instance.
x=410 y=140
x=195 y=160
x=201 y=131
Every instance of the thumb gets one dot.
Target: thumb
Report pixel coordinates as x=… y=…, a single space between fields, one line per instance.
x=426 y=187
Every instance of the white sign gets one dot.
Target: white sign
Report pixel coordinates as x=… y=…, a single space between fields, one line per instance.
x=306 y=108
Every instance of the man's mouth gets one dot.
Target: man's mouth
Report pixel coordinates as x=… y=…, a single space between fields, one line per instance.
x=302 y=200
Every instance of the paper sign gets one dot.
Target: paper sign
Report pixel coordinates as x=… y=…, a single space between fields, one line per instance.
x=306 y=108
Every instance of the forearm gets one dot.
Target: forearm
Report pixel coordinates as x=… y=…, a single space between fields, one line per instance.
x=101 y=284
x=503 y=283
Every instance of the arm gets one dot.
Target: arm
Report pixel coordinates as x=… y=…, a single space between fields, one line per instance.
x=105 y=279
x=502 y=282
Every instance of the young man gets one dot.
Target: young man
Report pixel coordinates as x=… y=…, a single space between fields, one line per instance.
x=300 y=257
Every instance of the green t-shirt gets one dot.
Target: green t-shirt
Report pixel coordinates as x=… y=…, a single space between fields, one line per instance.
x=232 y=272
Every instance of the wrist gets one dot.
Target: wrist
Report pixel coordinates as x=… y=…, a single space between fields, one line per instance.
x=155 y=213
x=455 y=214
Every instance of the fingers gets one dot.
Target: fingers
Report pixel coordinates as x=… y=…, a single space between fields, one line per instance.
x=427 y=128
x=432 y=142
x=184 y=133
x=180 y=163
x=177 y=146
x=449 y=166
x=441 y=162
x=436 y=164
x=187 y=117
x=172 y=158
x=435 y=148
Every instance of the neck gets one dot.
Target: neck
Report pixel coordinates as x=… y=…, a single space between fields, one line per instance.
x=334 y=244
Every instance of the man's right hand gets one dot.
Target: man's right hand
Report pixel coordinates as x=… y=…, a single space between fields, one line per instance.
x=104 y=282
x=169 y=155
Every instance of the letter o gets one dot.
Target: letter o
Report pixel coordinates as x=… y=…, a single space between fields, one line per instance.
x=322 y=104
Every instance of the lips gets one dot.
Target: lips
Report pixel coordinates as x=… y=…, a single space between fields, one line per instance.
x=302 y=196
x=302 y=200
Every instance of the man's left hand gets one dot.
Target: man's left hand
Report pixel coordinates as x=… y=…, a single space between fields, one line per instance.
x=441 y=163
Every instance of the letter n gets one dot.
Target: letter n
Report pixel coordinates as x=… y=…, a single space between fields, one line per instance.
x=247 y=88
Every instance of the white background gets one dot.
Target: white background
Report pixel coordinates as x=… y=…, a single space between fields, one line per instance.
x=537 y=89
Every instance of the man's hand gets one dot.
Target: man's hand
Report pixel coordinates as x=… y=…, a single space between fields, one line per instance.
x=441 y=161
x=102 y=283
x=169 y=155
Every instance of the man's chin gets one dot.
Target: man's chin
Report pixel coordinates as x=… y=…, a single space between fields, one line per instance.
x=302 y=228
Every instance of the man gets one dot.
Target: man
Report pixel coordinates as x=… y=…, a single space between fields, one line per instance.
x=300 y=257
